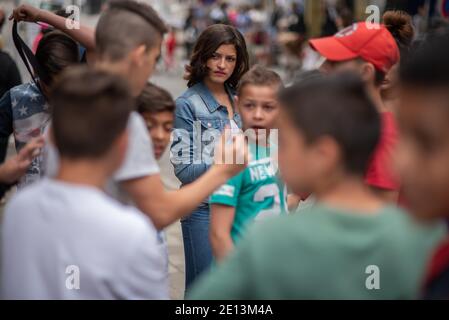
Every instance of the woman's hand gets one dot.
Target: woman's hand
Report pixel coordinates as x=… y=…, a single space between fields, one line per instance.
x=27 y=13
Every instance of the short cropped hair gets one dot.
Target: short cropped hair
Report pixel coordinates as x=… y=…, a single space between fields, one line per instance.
x=337 y=106
x=126 y=25
x=154 y=99
x=260 y=76
x=90 y=109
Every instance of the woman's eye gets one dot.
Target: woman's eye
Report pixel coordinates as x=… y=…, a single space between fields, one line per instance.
x=231 y=59
x=215 y=56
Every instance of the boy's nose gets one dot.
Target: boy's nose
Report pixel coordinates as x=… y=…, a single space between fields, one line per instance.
x=258 y=114
x=159 y=134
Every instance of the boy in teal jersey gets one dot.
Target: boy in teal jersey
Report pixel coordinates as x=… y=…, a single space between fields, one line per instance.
x=257 y=192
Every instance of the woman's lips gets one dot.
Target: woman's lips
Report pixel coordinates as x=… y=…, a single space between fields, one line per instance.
x=219 y=73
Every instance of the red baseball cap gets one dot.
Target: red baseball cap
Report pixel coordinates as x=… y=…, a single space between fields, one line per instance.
x=370 y=41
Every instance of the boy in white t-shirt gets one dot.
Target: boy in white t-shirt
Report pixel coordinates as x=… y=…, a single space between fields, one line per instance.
x=64 y=238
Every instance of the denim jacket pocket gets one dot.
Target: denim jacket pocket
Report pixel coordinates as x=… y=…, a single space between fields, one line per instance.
x=208 y=123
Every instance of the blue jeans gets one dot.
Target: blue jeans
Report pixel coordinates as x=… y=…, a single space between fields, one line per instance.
x=197 y=249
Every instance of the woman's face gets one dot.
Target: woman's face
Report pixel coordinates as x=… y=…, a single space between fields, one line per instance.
x=222 y=64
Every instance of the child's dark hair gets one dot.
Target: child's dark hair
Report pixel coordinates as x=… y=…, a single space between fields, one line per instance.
x=208 y=42
x=124 y=26
x=337 y=106
x=260 y=76
x=55 y=52
x=154 y=99
x=90 y=109
x=427 y=64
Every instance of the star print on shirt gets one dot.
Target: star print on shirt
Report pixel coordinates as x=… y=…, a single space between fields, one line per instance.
x=34 y=97
x=14 y=103
x=23 y=111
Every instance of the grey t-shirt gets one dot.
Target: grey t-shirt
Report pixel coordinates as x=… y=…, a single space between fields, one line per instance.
x=139 y=160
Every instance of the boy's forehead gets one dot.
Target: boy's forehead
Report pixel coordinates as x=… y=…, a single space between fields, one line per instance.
x=259 y=91
x=162 y=115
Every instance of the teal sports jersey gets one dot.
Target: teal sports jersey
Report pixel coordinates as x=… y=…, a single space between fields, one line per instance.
x=256 y=192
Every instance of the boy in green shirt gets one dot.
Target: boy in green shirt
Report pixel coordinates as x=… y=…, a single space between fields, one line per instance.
x=348 y=244
x=256 y=193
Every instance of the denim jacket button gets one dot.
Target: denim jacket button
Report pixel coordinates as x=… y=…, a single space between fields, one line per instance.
x=209 y=125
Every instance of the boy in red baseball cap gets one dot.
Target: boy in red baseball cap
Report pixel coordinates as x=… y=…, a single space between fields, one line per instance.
x=370 y=50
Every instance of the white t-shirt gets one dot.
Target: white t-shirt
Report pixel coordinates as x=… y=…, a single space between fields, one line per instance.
x=58 y=235
x=139 y=160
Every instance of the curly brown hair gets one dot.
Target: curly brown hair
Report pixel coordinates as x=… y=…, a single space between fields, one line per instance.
x=208 y=42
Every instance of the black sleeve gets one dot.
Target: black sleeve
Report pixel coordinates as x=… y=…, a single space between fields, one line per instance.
x=14 y=78
x=5 y=124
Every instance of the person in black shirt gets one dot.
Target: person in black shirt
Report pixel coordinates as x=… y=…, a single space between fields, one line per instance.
x=10 y=76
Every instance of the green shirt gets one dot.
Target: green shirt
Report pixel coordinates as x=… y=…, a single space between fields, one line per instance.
x=324 y=253
x=256 y=193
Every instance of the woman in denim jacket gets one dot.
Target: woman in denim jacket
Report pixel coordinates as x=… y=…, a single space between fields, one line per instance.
x=218 y=61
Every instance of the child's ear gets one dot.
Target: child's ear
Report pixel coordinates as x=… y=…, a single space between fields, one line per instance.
x=368 y=72
x=328 y=153
x=138 y=55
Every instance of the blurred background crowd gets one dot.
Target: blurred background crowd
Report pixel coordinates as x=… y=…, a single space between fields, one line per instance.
x=276 y=31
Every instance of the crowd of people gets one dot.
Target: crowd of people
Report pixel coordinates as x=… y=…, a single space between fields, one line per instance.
x=332 y=187
x=277 y=31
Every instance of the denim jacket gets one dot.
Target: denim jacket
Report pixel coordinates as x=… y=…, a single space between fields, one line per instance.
x=197 y=111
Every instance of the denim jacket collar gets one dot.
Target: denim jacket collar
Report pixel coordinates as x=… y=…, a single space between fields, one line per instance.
x=210 y=101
